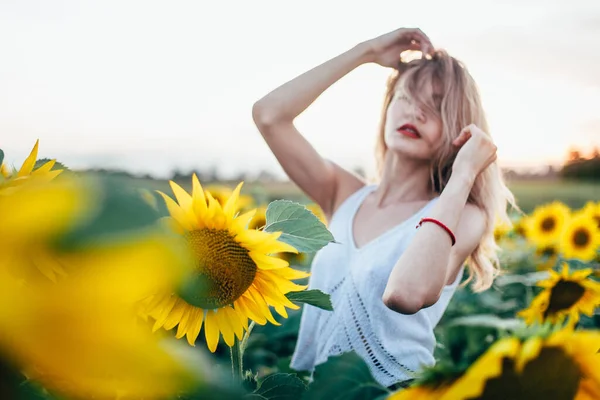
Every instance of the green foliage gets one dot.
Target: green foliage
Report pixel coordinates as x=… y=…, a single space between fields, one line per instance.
x=313 y=297
x=57 y=165
x=1 y=156
x=281 y=387
x=346 y=377
x=300 y=227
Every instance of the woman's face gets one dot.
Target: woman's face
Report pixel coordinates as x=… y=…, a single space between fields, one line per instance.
x=411 y=129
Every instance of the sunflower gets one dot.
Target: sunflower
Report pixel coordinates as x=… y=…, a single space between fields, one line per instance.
x=222 y=193
x=565 y=365
x=236 y=276
x=78 y=336
x=28 y=170
x=546 y=224
x=581 y=238
x=593 y=211
x=564 y=295
x=501 y=229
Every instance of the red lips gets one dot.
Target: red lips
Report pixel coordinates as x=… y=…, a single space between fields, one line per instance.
x=409 y=130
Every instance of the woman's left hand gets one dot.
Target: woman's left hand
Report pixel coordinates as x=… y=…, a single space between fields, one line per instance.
x=476 y=152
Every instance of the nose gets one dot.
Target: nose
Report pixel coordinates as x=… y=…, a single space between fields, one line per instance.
x=418 y=112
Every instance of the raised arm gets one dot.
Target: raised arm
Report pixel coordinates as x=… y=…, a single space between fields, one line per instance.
x=430 y=260
x=322 y=180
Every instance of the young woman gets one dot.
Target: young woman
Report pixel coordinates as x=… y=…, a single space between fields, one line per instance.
x=392 y=272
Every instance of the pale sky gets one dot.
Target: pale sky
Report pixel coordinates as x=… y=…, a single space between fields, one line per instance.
x=151 y=86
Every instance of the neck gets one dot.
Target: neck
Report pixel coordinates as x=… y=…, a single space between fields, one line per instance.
x=404 y=180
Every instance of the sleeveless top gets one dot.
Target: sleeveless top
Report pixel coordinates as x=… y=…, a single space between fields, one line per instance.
x=394 y=346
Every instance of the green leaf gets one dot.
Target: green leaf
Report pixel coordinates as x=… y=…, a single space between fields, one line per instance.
x=1 y=156
x=120 y=211
x=42 y=161
x=281 y=387
x=313 y=297
x=299 y=226
x=343 y=377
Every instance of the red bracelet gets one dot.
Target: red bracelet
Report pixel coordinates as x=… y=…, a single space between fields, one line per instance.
x=440 y=224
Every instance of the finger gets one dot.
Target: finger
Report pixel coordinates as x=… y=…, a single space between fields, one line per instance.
x=462 y=137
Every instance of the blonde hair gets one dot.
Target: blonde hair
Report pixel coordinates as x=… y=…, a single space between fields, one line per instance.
x=457 y=102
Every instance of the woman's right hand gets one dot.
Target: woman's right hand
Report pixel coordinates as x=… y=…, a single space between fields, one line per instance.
x=385 y=49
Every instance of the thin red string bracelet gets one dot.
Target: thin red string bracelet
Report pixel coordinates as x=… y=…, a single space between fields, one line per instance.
x=441 y=225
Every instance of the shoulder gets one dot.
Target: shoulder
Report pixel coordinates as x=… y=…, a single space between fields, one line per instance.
x=347 y=183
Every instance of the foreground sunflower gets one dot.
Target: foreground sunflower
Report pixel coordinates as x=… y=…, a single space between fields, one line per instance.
x=564 y=365
x=259 y=220
x=564 y=295
x=546 y=224
x=236 y=278
x=78 y=336
x=581 y=238
x=28 y=170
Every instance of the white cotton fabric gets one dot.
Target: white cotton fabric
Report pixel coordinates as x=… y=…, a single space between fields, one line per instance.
x=394 y=346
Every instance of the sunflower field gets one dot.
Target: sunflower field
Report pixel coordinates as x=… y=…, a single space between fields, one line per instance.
x=111 y=291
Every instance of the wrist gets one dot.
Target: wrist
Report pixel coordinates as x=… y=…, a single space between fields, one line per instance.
x=364 y=52
x=463 y=178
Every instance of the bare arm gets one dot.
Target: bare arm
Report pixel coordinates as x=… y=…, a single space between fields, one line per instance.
x=274 y=114
x=430 y=260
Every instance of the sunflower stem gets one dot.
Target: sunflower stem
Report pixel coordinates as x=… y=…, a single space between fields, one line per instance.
x=246 y=336
x=237 y=368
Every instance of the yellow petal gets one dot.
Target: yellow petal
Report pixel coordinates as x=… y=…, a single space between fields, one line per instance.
x=194 y=325
x=265 y=262
x=236 y=322
x=175 y=315
x=529 y=351
x=246 y=306
x=230 y=206
x=262 y=305
x=164 y=313
x=183 y=324
x=44 y=168
x=183 y=198
x=29 y=162
x=211 y=330
x=240 y=223
x=225 y=326
x=176 y=212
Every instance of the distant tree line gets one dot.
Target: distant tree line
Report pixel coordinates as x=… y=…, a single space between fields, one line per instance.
x=580 y=167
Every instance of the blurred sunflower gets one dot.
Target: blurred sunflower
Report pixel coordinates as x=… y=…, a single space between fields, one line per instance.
x=236 y=276
x=501 y=229
x=28 y=170
x=31 y=217
x=580 y=238
x=222 y=193
x=316 y=209
x=259 y=220
x=564 y=295
x=546 y=224
x=520 y=226
x=593 y=211
x=565 y=365
x=78 y=336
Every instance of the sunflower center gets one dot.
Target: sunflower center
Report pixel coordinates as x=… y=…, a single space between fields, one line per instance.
x=224 y=269
x=548 y=251
x=551 y=375
x=548 y=224
x=563 y=296
x=581 y=237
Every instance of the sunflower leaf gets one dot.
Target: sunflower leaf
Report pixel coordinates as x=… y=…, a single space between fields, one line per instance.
x=313 y=297
x=299 y=227
x=281 y=387
x=346 y=377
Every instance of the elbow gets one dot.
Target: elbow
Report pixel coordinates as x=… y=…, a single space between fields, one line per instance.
x=265 y=116
x=408 y=302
